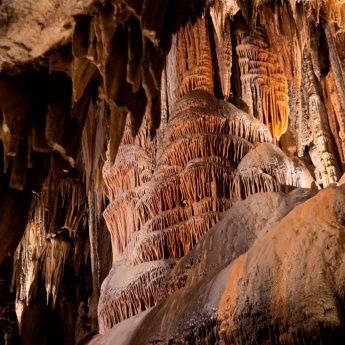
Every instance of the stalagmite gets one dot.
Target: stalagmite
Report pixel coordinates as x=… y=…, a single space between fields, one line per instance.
x=164 y=215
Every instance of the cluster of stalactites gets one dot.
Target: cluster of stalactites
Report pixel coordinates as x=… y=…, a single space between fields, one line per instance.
x=124 y=181
x=125 y=43
x=188 y=191
x=35 y=110
x=198 y=176
x=264 y=86
x=57 y=210
x=195 y=48
x=332 y=10
x=193 y=58
x=129 y=298
x=38 y=251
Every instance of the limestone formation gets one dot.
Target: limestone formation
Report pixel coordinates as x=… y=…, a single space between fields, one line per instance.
x=316 y=318
x=163 y=217
x=171 y=172
x=233 y=301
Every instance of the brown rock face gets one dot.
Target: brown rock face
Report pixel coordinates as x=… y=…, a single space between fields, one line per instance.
x=162 y=167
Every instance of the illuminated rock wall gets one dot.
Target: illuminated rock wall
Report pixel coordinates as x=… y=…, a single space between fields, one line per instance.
x=129 y=132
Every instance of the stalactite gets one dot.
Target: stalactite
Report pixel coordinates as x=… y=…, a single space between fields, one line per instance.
x=55 y=254
x=314 y=51
x=93 y=138
x=264 y=87
x=221 y=24
x=82 y=72
x=335 y=63
x=194 y=61
x=336 y=116
x=326 y=163
x=170 y=80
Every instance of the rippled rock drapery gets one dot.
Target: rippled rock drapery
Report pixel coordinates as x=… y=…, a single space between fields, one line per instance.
x=245 y=97
x=261 y=168
x=161 y=217
x=227 y=298
x=185 y=197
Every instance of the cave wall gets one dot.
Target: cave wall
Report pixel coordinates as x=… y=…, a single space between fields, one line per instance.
x=129 y=130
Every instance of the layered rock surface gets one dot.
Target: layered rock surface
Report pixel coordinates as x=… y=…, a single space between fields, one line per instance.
x=163 y=217
x=256 y=295
x=246 y=99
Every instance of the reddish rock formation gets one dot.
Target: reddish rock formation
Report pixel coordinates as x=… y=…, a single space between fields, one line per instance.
x=160 y=150
x=187 y=194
